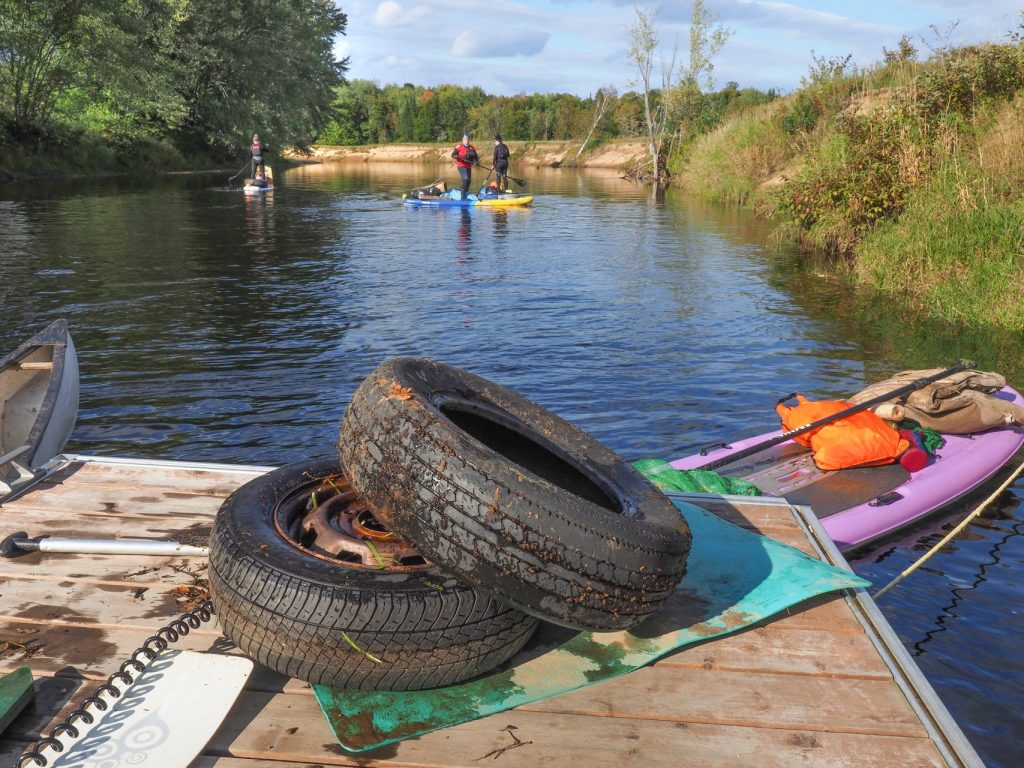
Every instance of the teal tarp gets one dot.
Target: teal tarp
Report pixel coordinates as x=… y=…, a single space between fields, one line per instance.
x=734 y=578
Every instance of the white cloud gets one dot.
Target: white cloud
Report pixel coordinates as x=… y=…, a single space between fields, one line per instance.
x=388 y=13
x=519 y=43
x=577 y=46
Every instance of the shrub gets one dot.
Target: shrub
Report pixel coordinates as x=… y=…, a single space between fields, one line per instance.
x=969 y=76
x=802 y=116
x=861 y=173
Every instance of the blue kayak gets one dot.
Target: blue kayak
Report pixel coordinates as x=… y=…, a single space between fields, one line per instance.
x=491 y=201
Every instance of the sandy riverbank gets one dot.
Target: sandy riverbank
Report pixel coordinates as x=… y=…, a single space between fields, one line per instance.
x=622 y=154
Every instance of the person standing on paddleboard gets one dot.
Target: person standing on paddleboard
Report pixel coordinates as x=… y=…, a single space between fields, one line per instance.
x=465 y=158
x=500 y=162
x=256 y=149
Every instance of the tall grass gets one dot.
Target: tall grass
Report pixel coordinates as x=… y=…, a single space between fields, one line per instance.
x=957 y=252
x=731 y=162
x=911 y=173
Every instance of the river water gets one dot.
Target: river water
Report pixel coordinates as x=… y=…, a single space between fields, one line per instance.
x=215 y=326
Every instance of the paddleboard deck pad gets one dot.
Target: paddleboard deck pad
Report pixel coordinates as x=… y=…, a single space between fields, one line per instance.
x=859 y=506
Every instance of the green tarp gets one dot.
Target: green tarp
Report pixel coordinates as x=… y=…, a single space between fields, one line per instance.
x=668 y=478
x=734 y=578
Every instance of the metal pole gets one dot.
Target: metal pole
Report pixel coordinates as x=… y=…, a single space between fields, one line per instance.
x=20 y=544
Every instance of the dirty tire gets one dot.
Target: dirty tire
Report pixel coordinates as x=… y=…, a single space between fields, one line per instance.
x=510 y=497
x=291 y=611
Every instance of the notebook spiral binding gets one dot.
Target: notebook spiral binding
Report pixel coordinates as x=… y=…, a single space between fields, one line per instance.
x=150 y=649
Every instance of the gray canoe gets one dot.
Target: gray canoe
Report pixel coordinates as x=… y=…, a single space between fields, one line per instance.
x=38 y=402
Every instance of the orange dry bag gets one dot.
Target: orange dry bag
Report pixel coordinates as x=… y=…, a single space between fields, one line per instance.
x=861 y=439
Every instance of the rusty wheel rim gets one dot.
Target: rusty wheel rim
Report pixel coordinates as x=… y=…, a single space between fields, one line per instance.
x=328 y=521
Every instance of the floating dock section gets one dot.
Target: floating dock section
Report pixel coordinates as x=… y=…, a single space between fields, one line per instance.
x=827 y=683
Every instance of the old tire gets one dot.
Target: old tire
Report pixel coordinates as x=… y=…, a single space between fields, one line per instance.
x=310 y=618
x=510 y=497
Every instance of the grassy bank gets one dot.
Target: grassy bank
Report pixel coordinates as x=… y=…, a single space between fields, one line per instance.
x=908 y=174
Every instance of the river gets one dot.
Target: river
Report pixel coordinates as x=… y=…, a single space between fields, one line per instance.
x=215 y=326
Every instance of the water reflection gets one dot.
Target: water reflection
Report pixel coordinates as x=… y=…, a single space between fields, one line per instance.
x=259 y=222
x=464 y=239
x=500 y=217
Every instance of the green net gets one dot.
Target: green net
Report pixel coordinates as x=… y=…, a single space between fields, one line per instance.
x=668 y=478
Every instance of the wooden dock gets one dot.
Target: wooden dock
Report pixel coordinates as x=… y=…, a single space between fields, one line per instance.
x=825 y=684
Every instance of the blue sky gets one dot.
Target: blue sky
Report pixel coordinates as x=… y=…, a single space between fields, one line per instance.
x=577 y=46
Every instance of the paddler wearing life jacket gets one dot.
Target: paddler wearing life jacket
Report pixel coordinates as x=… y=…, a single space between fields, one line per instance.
x=500 y=162
x=256 y=150
x=465 y=158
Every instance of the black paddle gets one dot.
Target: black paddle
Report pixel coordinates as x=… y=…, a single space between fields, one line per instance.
x=236 y=175
x=520 y=182
x=913 y=386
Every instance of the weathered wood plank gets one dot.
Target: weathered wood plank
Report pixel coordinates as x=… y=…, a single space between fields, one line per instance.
x=192 y=528
x=742 y=698
x=127 y=571
x=288 y=727
x=64 y=503
x=100 y=647
x=772 y=648
x=206 y=482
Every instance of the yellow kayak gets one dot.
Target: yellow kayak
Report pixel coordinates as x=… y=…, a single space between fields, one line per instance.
x=505 y=201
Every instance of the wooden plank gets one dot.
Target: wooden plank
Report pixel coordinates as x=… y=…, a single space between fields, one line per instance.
x=213 y=482
x=99 y=647
x=665 y=692
x=290 y=728
x=66 y=502
x=774 y=649
x=9 y=752
x=188 y=528
x=746 y=699
x=127 y=571
x=84 y=603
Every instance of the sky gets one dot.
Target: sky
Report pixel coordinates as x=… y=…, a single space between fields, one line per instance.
x=578 y=46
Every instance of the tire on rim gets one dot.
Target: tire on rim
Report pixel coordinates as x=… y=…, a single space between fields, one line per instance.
x=510 y=497
x=399 y=624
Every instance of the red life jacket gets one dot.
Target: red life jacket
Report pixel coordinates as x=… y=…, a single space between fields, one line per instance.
x=862 y=439
x=465 y=157
x=256 y=148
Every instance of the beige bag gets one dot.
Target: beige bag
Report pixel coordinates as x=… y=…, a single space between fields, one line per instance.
x=958 y=404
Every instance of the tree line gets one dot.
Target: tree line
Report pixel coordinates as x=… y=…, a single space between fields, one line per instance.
x=198 y=75
x=368 y=113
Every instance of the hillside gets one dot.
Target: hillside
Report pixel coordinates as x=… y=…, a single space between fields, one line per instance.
x=908 y=175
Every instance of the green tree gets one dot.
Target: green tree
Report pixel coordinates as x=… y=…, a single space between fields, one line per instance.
x=40 y=43
x=426 y=125
x=248 y=66
x=352 y=107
